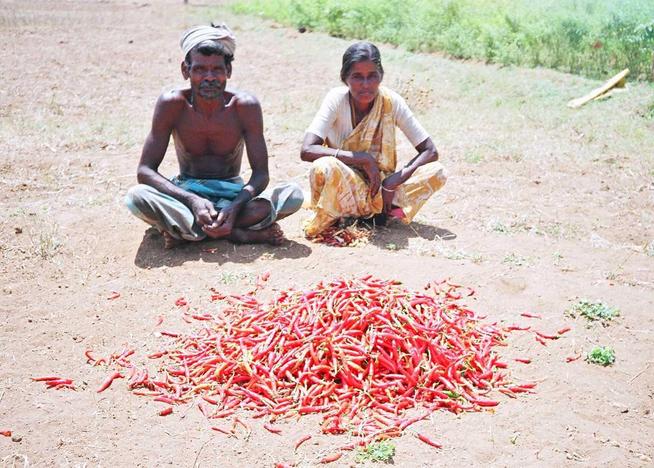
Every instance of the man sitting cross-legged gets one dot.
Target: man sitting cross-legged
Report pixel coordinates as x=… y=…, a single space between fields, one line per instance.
x=210 y=127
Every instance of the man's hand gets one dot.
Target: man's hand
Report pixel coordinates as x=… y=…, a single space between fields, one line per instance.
x=368 y=165
x=204 y=212
x=224 y=223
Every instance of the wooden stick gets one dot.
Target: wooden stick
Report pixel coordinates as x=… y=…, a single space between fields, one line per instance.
x=618 y=80
x=640 y=373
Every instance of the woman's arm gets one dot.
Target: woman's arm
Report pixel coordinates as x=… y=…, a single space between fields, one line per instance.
x=313 y=148
x=427 y=153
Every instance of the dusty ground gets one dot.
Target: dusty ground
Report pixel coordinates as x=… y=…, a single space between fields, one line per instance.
x=544 y=206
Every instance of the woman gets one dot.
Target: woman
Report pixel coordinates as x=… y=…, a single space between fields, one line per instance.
x=351 y=144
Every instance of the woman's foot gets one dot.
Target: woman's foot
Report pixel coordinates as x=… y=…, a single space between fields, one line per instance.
x=272 y=235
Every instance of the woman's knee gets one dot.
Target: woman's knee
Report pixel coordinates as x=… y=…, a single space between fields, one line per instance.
x=437 y=172
x=324 y=164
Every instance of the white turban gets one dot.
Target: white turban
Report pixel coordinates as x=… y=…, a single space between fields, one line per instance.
x=216 y=32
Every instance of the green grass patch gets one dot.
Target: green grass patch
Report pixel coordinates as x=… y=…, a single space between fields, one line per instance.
x=515 y=259
x=602 y=355
x=594 y=311
x=587 y=37
x=649 y=111
x=230 y=277
x=381 y=451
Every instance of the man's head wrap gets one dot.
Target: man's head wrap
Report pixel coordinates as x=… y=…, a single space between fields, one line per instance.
x=216 y=32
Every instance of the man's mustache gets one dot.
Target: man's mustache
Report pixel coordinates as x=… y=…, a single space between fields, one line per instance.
x=209 y=85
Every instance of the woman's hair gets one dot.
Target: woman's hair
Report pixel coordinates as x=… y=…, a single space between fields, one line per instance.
x=360 y=52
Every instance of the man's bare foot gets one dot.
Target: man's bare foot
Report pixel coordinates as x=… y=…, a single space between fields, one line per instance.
x=272 y=235
x=169 y=241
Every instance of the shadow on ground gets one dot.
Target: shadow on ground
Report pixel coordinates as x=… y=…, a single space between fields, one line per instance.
x=151 y=253
x=399 y=234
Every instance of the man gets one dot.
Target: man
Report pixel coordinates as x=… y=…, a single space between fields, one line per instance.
x=210 y=126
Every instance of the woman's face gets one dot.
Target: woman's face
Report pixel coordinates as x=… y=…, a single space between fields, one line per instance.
x=363 y=81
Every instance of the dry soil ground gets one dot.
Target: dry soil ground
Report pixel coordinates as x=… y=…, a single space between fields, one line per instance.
x=544 y=206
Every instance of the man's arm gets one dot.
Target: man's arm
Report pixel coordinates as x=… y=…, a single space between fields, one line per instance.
x=163 y=121
x=250 y=115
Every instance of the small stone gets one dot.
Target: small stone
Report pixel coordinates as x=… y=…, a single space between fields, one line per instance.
x=18 y=230
x=16 y=438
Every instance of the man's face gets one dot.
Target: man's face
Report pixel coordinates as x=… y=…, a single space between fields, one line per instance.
x=208 y=75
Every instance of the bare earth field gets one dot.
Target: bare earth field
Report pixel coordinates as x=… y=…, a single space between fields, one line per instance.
x=544 y=206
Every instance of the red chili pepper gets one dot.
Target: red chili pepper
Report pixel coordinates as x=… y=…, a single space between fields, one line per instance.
x=56 y=382
x=221 y=430
x=166 y=411
x=105 y=385
x=331 y=458
x=271 y=428
x=113 y=295
x=528 y=385
x=181 y=302
x=528 y=315
x=564 y=330
x=89 y=357
x=5 y=433
x=428 y=441
x=547 y=337
x=482 y=402
x=523 y=360
x=302 y=440
x=572 y=358
x=165 y=399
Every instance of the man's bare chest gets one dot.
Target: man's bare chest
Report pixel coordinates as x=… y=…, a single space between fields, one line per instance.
x=200 y=136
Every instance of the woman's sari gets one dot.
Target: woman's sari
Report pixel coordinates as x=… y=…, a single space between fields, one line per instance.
x=338 y=190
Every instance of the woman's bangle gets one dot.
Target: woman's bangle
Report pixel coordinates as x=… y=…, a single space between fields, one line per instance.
x=387 y=190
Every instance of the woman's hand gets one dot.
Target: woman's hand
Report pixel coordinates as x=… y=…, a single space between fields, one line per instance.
x=390 y=184
x=368 y=165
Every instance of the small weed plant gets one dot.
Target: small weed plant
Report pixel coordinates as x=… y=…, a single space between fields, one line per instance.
x=601 y=355
x=381 y=451
x=594 y=311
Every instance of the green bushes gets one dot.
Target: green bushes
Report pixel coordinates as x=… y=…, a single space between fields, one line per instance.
x=579 y=36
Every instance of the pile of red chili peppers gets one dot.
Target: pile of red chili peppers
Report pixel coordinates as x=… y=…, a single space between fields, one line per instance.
x=336 y=236
x=368 y=355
